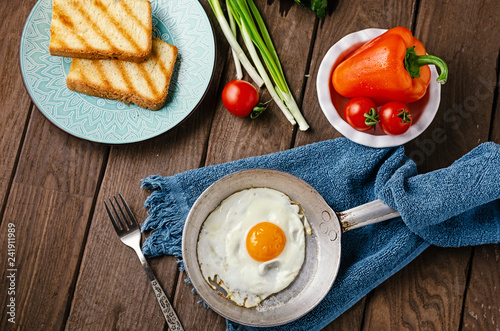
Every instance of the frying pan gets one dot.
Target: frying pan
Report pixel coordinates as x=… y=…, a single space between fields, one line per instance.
x=323 y=247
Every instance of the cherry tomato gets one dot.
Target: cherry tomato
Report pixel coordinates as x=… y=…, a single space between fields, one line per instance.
x=361 y=113
x=395 y=118
x=239 y=97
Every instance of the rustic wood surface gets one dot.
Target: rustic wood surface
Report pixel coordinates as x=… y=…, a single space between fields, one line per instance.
x=75 y=274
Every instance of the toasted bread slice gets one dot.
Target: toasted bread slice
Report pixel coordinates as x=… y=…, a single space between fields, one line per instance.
x=101 y=29
x=144 y=84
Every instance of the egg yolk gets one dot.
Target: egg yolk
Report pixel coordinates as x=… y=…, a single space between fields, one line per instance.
x=265 y=241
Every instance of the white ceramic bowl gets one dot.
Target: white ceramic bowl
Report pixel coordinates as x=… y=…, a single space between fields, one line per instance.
x=332 y=104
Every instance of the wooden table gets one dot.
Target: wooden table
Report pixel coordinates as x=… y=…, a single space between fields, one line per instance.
x=71 y=267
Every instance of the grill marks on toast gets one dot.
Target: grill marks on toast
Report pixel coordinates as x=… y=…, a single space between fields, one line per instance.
x=149 y=80
x=126 y=78
x=145 y=84
x=102 y=75
x=159 y=62
x=120 y=68
x=135 y=18
x=88 y=21
x=118 y=26
x=68 y=23
x=101 y=34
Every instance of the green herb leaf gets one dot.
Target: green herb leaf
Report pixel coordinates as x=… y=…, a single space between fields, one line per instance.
x=319 y=6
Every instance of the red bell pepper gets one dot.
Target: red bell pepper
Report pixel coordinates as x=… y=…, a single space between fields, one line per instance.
x=391 y=67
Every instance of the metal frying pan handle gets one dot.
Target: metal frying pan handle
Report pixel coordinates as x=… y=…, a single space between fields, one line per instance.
x=369 y=213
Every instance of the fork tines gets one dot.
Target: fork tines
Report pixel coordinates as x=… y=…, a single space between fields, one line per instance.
x=120 y=223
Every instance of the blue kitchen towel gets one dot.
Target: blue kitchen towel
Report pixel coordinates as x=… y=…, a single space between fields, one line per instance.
x=455 y=206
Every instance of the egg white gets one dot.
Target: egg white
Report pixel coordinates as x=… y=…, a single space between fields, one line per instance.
x=222 y=252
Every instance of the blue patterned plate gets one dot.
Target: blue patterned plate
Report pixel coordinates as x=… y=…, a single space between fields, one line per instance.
x=182 y=23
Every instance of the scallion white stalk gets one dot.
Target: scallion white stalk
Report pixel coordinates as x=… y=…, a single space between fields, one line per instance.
x=234 y=43
x=237 y=63
x=262 y=71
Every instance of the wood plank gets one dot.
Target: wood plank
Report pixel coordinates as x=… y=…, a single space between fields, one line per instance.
x=352 y=319
x=112 y=291
x=49 y=204
x=348 y=17
x=464 y=117
x=482 y=299
x=14 y=101
x=495 y=114
x=42 y=282
x=471 y=52
x=233 y=138
x=134 y=305
x=426 y=294
x=180 y=149
x=482 y=302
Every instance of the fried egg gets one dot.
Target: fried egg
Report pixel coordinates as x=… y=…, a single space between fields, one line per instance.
x=252 y=245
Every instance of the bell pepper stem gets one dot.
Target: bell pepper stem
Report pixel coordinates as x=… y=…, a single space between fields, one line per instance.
x=431 y=59
x=413 y=62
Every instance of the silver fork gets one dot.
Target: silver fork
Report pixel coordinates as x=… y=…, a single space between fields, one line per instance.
x=128 y=230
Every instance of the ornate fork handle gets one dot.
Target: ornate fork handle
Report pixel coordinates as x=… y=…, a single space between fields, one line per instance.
x=173 y=321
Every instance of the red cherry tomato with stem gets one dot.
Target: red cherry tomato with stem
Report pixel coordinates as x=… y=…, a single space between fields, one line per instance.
x=361 y=113
x=240 y=97
x=395 y=118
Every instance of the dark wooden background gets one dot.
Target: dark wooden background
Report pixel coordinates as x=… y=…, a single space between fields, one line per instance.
x=74 y=273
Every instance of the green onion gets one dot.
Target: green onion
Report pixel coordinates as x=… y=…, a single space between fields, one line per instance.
x=265 y=76
x=246 y=15
x=254 y=32
x=237 y=63
x=228 y=33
